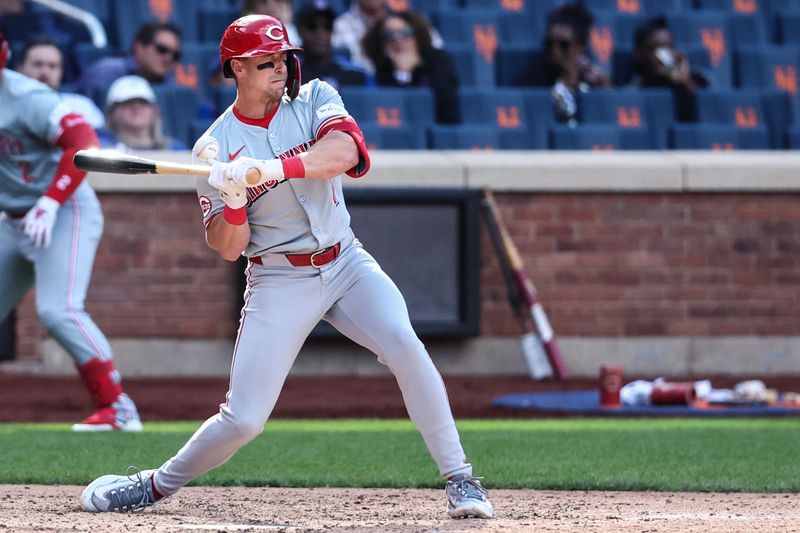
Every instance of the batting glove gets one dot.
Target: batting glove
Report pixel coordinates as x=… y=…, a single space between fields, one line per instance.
x=270 y=170
x=233 y=194
x=206 y=149
x=39 y=221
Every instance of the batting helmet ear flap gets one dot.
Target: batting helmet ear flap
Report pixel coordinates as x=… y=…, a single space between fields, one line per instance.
x=293 y=77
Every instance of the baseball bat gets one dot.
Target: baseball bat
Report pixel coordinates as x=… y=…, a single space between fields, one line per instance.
x=531 y=345
x=120 y=163
x=528 y=292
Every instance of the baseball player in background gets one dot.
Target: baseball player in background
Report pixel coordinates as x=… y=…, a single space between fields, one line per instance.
x=50 y=226
x=305 y=265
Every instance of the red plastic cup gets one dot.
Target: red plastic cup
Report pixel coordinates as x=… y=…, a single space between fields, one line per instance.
x=610 y=385
x=673 y=394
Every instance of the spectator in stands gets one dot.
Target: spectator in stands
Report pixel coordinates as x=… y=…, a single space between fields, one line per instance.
x=315 y=24
x=133 y=118
x=567 y=67
x=42 y=59
x=657 y=63
x=400 y=48
x=280 y=9
x=156 y=49
x=350 y=27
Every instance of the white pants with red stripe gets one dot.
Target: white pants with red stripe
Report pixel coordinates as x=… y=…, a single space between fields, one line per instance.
x=282 y=305
x=60 y=272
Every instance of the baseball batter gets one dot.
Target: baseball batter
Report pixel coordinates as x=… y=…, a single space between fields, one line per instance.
x=50 y=225
x=305 y=265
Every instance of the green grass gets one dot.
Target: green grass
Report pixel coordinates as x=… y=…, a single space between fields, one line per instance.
x=753 y=455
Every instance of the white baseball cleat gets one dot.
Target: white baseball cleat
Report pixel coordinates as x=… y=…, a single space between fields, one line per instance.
x=119 y=493
x=466 y=498
x=120 y=416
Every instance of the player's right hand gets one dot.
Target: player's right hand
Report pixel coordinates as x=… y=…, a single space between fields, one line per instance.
x=232 y=192
x=39 y=221
x=206 y=149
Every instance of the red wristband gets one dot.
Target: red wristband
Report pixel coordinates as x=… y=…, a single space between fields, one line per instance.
x=237 y=217
x=293 y=168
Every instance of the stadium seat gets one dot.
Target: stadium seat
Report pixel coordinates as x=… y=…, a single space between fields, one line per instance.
x=508 y=111
x=709 y=29
x=403 y=138
x=606 y=35
x=193 y=69
x=212 y=22
x=390 y=108
x=516 y=65
x=746 y=19
x=772 y=10
x=746 y=109
x=793 y=137
x=638 y=8
x=178 y=109
x=773 y=67
x=599 y=137
x=720 y=74
x=464 y=137
x=428 y=8
x=471 y=66
x=718 y=137
x=648 y=112
x=130 y=15
x=789 y=27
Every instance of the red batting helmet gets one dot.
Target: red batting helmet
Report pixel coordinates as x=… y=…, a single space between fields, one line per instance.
x=260 y=35
x=3 y=51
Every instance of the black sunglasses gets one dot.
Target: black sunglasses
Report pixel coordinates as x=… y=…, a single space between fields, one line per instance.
x=164 y=50
x=563 y=44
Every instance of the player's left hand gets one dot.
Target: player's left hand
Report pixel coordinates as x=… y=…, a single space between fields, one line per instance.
x=39 y=220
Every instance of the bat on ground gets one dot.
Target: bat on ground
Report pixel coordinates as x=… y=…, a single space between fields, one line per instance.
x=525 y=288
x=532 y=347
x=120 y=163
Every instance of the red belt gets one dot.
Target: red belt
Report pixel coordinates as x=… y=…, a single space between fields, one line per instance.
x=317 y=259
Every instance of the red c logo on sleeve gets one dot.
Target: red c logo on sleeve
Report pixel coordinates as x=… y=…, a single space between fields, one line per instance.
x=205 y=205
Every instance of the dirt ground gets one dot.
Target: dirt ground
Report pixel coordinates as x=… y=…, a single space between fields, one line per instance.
x=40 y=508
x=56 y=508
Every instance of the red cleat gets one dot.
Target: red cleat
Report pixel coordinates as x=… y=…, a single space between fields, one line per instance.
x=120 y=416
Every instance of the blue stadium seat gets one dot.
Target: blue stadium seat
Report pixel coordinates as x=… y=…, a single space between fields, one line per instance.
x=428 y=8
x=198 y=128
x=709 y=29
x=390 y=108
x=718 y=137
x=508 y=111
x=638 y=8
x=541 y=115
x=793 y=137
x=464 y=137
x=645 y=112
x=193 y=69
x=772 y=11
x=178 y=110
x=609 y=33
x=403 y=138
x=223 y=96
x=471 y=66
x=212 y=22
x=789 y=27
x=515 y=65
x=720 y=74
x=774 y=67
x=479 y=27
x=622 y=66
x=599 y=137
x=746 y=19
x=747 y=109
x=522 y=27
x=130 y=15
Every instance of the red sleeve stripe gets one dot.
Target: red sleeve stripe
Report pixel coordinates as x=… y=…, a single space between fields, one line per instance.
x=320 y=133
x=75 y=134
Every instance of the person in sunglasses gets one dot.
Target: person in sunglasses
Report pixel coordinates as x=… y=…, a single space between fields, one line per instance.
x=402 y=52
x=567 y=67
x=155 y=51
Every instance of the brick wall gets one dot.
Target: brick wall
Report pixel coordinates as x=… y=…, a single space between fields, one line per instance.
x=604 y=265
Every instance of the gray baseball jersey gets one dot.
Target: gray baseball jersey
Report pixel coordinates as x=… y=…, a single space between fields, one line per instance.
x=29 y=126
x=289 y=216
x=283 y=302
